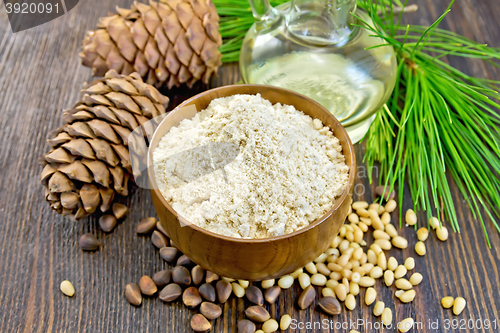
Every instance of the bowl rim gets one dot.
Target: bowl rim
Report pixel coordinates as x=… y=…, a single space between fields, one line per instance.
x=315 y=223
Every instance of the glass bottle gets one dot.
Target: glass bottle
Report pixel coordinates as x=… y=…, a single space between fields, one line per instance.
x=314 y=47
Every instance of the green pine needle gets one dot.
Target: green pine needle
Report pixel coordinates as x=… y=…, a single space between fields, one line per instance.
x=439 y=122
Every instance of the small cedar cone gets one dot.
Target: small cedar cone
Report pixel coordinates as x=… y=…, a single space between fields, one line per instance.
x=168 y=42
x=89 y=161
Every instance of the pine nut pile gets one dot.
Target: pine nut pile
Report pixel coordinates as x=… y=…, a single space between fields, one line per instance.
x=337 y=275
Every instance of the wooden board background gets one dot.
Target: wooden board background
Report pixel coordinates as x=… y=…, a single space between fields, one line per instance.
x=40 y=74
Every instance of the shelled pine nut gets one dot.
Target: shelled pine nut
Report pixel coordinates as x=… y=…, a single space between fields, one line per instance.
x=408 y=296
x=409 y=263
x=422 y=234
x=416 y=278
x=370 y=296
x=459 y=305
x=447 y=302
x=442 y=233
x=386 y=316
x=388 y=278
x=350 y=302
x=420 y=248
x=400 y=272
x=392 y=263
x=410 y=217
x=378 y=308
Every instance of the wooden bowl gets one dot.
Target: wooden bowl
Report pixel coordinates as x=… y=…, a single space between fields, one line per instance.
x=253 y=259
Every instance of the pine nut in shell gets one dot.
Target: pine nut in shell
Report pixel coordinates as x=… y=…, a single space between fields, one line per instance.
x=170 y=292
x=199 y=323
x=162 y=278
x=447 y=302
x=67 y=288
x=306 y=298
x=272 y=294
x=146 y=225
x=285 y=322
x=246 y=326
x=378 y=309
x=147 y=286
x=88 y=242
x=133 y=294
x=330 y=305
x=107 y=222
x=181 y=275
x=224 y=290
x=191 y=297
x=158 y=239
x=207 y=291
x=257 y=313
x=459 y=305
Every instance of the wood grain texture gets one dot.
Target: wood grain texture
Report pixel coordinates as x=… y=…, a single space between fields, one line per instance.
x=40 y=74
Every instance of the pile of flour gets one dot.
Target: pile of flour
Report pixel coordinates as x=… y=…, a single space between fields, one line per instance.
x=287 y=173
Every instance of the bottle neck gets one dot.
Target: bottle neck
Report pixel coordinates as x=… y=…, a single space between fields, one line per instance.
x=321 y=22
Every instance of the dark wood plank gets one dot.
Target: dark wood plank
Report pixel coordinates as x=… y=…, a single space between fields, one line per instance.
x=40 y=74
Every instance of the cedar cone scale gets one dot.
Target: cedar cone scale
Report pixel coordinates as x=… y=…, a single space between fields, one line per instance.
x=89 y=161
x=168 y=42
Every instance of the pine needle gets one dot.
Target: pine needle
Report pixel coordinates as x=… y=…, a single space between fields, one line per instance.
x=439 y=122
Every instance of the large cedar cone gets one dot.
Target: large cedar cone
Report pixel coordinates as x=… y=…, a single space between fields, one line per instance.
x=172 y=42
x=89 y=160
